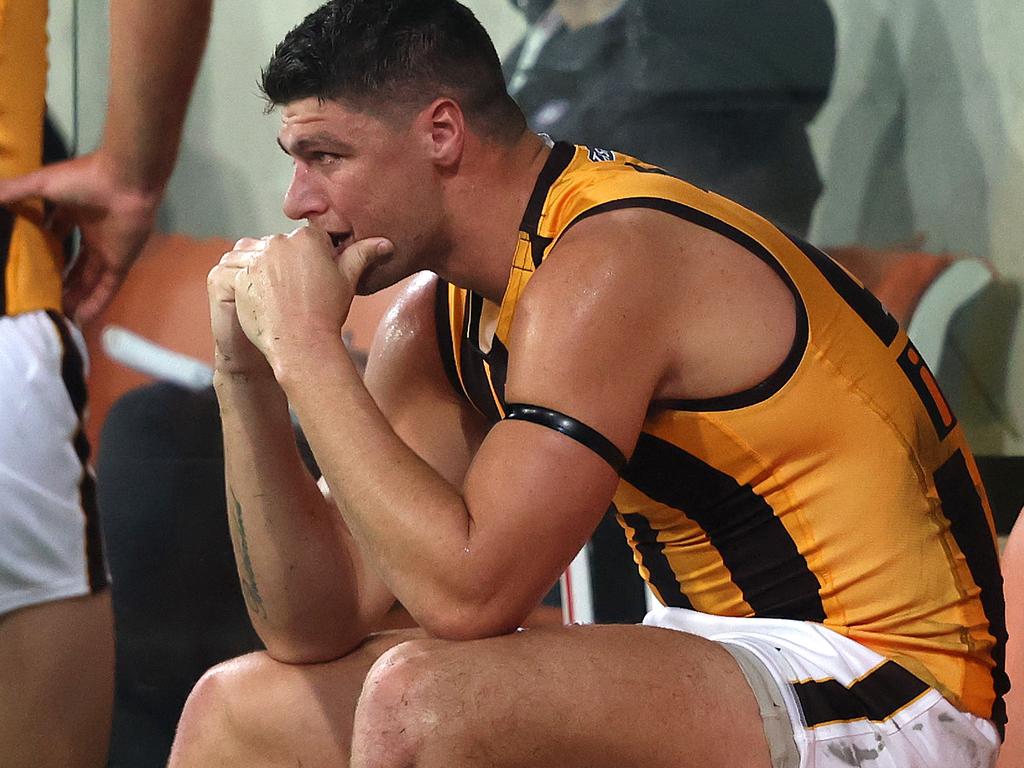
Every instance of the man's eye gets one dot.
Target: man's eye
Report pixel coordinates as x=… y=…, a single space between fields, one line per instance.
x=325 y=158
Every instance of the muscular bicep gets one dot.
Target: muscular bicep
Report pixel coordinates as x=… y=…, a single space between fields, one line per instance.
x=584 y=350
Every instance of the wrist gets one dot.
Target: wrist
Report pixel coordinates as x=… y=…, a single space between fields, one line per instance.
x=137 y=187
x=243 y=394
x=240 y=363
x=224 y=378
x=307 y=360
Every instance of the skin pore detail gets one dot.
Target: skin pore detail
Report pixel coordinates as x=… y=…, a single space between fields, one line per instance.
x=250 y=590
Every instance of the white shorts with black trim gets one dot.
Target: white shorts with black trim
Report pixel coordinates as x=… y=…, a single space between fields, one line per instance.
x=50 y=546
x=847 y=705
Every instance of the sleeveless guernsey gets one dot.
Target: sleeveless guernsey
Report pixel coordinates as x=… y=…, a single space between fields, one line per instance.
x=840 y=490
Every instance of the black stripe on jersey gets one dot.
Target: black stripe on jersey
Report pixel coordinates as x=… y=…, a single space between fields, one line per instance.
x=445 y=345
x=860 y=299
x=968 y=523
x=559 y=159
x=538 y=245
x=647 y=169
x=652 y=557
x=474 y=375
x=917 y=371
x=72 y=369
x=497 y=358
x=474 y=314
x=876 y=697
x=761 y=556
x=6 y=230
x=570 y=427
x=776 y=380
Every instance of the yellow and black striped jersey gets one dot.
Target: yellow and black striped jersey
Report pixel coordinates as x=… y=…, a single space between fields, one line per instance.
x=30 y=259
x=840 y=490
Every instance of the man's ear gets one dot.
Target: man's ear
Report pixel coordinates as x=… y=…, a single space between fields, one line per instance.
x=444 y=129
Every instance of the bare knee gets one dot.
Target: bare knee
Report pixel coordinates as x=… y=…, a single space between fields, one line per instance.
x=214 y=727
x=413 y=702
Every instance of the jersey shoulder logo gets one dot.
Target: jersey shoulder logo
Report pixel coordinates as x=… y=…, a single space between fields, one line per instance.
x=597 y=155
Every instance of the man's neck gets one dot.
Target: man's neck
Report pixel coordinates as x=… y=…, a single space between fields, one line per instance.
x=487 y=202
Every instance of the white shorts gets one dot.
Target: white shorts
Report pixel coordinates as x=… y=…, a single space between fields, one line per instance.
x=847 y=705
x=49 y=530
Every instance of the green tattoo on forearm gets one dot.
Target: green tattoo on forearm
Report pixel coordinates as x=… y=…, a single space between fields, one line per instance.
x=250 y=590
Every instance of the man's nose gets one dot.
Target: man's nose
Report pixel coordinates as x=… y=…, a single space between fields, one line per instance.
x=305 y=197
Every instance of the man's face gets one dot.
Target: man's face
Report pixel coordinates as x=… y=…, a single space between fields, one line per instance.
x=357 y=176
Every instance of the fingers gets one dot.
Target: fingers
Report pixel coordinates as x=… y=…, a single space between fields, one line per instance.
x=220 y=282
x=59 y=221
x=352 y=263
x=80 y=281
x=251 y=244
x=90 y=287
x=20 y=187
x=243 y=251
x=360 y=255
x=100 y=295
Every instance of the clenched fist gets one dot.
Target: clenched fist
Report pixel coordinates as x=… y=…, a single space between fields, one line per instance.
x=233 y=352
x=290 y=294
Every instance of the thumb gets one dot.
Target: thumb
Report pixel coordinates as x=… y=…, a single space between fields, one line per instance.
x=360 y=255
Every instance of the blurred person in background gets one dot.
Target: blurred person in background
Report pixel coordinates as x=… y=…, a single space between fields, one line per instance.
x=56 y=628
x=717 y=93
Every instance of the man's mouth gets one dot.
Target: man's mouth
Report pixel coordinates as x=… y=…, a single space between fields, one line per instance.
x=340 y=241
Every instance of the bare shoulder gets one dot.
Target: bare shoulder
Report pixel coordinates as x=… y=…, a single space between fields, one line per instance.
x=614 y=271
x=409 y=317
x=648 y=250
x=405 y=343
x=699 y=313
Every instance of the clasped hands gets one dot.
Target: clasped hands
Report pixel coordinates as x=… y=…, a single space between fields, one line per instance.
x=279 y=299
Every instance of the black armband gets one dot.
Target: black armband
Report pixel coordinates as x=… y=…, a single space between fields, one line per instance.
x=569 y=427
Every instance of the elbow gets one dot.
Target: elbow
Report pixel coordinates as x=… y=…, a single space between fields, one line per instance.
x=471 y=621
x=296 y=650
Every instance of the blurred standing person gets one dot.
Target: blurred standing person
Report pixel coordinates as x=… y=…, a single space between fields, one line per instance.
x=56 y=628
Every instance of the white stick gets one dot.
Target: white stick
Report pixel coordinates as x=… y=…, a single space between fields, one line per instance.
x=148 y=357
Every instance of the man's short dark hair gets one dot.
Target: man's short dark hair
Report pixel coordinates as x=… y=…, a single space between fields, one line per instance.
x=379 y=55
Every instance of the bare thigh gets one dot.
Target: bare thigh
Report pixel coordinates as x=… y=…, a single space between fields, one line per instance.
x=57 y=683
x=566 y=697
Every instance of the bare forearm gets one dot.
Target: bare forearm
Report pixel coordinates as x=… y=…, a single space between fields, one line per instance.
x=155 y=51
x=295 y=570
x=412 y=523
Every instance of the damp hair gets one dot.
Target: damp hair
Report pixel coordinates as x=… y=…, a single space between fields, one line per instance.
x=391 y=58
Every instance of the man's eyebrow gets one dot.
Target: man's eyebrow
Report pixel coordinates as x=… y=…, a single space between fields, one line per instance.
x=318 y=142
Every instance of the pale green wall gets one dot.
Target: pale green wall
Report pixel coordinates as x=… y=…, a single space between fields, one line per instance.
x=230 y=175
x=924 y=134
x=927 y=112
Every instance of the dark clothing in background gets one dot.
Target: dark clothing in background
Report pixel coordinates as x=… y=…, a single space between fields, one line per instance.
x=718 y=92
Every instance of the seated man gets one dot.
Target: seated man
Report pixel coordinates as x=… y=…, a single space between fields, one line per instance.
x=587 y=332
